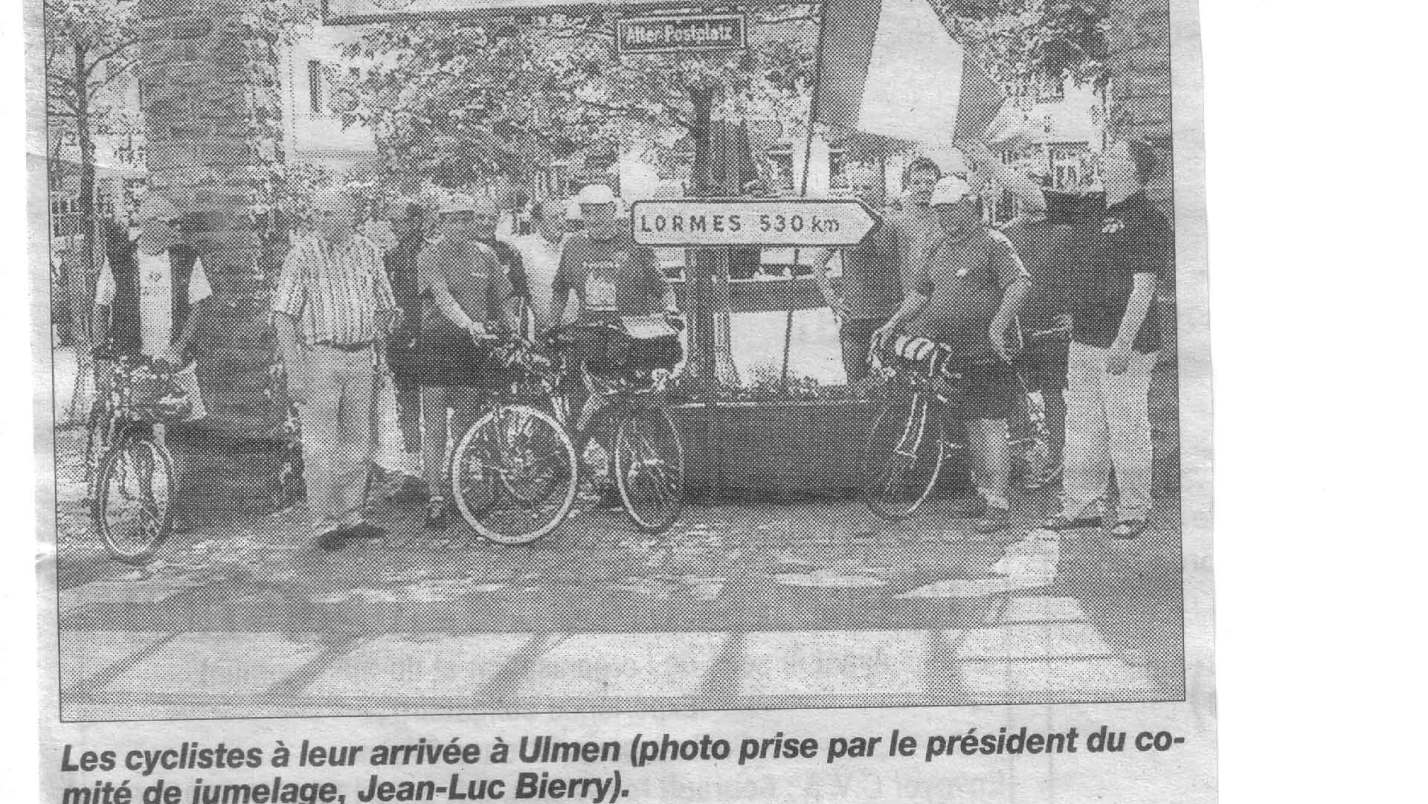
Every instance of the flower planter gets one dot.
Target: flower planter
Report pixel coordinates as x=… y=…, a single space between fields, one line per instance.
x=779 y=450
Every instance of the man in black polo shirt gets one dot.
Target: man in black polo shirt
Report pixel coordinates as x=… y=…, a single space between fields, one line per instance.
x=1115 y=335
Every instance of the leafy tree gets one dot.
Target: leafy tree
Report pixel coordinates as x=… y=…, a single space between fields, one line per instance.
x=467 y=102
x=91 y=48
x=1026 y=39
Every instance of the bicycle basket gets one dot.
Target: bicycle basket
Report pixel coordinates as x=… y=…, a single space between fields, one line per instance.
x=638 y=343
x=150 y=394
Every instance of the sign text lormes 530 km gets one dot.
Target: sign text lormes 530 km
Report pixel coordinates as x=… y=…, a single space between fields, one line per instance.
x=692 y=222
x=361 y=12
x=681 y=34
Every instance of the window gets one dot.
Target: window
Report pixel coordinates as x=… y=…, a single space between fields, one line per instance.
x=780 y=159
x=314 y=86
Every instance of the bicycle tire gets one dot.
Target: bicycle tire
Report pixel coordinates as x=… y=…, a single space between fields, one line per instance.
x=469 y=449
x=158 y=527
x=879 y=459
x=664 y=518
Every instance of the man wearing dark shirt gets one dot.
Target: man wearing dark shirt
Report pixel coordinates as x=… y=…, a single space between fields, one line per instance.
x=610 y=274
x=488 y=216
x=871 y=287
x=1115 y=335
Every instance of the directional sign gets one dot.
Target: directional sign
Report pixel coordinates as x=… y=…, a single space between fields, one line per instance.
x=751 y=222
x=683 y=34
x=361 y=12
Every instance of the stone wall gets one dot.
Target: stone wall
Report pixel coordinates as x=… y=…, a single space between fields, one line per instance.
x=208 y=87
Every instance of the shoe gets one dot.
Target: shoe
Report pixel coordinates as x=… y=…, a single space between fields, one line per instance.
x=1063 y=522
x=968 y=507
x=1128 y=528
x=409 y=490
x=610 y=499
x=994 y=520
x=366 y=530
x=334 y=539
x=436 y=514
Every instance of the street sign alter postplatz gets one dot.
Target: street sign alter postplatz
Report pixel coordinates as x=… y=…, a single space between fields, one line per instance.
x=708 y=222
x=361 y=12
x=700 y=33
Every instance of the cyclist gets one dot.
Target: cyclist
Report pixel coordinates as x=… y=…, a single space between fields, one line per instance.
x=610 y=275
x=968 y=290
x=463 y=285
x=150 y=301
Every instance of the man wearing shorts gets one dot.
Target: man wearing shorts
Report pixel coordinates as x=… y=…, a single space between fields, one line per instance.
x=464 y=287
x=968 y=291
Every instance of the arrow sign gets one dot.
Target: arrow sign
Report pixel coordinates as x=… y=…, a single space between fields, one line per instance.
x=692 y=222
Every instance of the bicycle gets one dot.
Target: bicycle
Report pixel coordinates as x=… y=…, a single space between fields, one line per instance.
x=648 y=454
x=132 y=484
x=907 y=444
x=514 y=471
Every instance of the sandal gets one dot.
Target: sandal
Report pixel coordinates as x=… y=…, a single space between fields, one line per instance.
x=1063 y=522
x=1128 y=528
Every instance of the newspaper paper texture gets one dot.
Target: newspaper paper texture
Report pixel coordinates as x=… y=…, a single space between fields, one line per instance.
x=465 y=400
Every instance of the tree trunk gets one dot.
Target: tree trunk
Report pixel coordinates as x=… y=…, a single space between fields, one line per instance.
x=80 y=300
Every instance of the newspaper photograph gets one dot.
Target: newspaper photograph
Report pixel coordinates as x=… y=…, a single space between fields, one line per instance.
x=463 y=400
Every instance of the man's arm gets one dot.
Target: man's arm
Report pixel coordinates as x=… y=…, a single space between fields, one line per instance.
x=1015 y=280
x=1137 y=308
x=445 y=303
x=1013 y=181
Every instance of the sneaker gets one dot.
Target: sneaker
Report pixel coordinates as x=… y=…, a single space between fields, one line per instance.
x=366 y=530
x=409 y=490
x=994 y=519
x=330 y=540
x=968 y=507
x=436 y=514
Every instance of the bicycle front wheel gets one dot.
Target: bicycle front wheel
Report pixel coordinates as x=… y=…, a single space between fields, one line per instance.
x=514 y=475
x=649 y=469
x=902 y=458
x=133 y=501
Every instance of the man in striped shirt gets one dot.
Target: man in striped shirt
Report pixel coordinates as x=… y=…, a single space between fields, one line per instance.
x=333 y=303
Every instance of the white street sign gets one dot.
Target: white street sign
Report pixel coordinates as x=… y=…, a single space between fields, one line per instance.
x=692 y=222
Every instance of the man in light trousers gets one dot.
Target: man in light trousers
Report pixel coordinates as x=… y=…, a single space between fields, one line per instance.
x=1114 y=339
x=333 y=303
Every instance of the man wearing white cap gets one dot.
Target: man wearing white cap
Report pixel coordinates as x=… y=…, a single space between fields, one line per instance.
x=968 y=290
x=609 y=273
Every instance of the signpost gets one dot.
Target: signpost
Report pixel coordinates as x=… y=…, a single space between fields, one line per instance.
x=706 y=222
x=701 y=33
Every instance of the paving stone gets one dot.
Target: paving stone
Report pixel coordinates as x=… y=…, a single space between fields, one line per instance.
x=1023 y=609
x=122 y=591
x=217 y=663
x=1032 y=640
x=83 y=654
x=833 y=662
x=605 y=665
x=1075 y=676
x=418 y=666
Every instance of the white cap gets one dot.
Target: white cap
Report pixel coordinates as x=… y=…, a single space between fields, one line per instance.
x=950 y=190
x=156 y=207
x=457 y=202
x=596 y=194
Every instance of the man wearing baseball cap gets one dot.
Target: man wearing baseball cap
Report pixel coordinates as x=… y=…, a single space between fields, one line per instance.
x=968 y=289
x=609 y=273
x=464 y=286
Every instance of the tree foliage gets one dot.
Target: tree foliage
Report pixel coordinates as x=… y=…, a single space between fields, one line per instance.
x=462 y=103
x=1020 y=40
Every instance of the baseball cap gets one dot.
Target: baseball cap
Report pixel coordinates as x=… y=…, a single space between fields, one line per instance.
x=596 y=194
x=949 y=190
x=457 y=202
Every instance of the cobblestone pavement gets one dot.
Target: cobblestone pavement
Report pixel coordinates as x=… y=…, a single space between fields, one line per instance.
x=804 y=604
